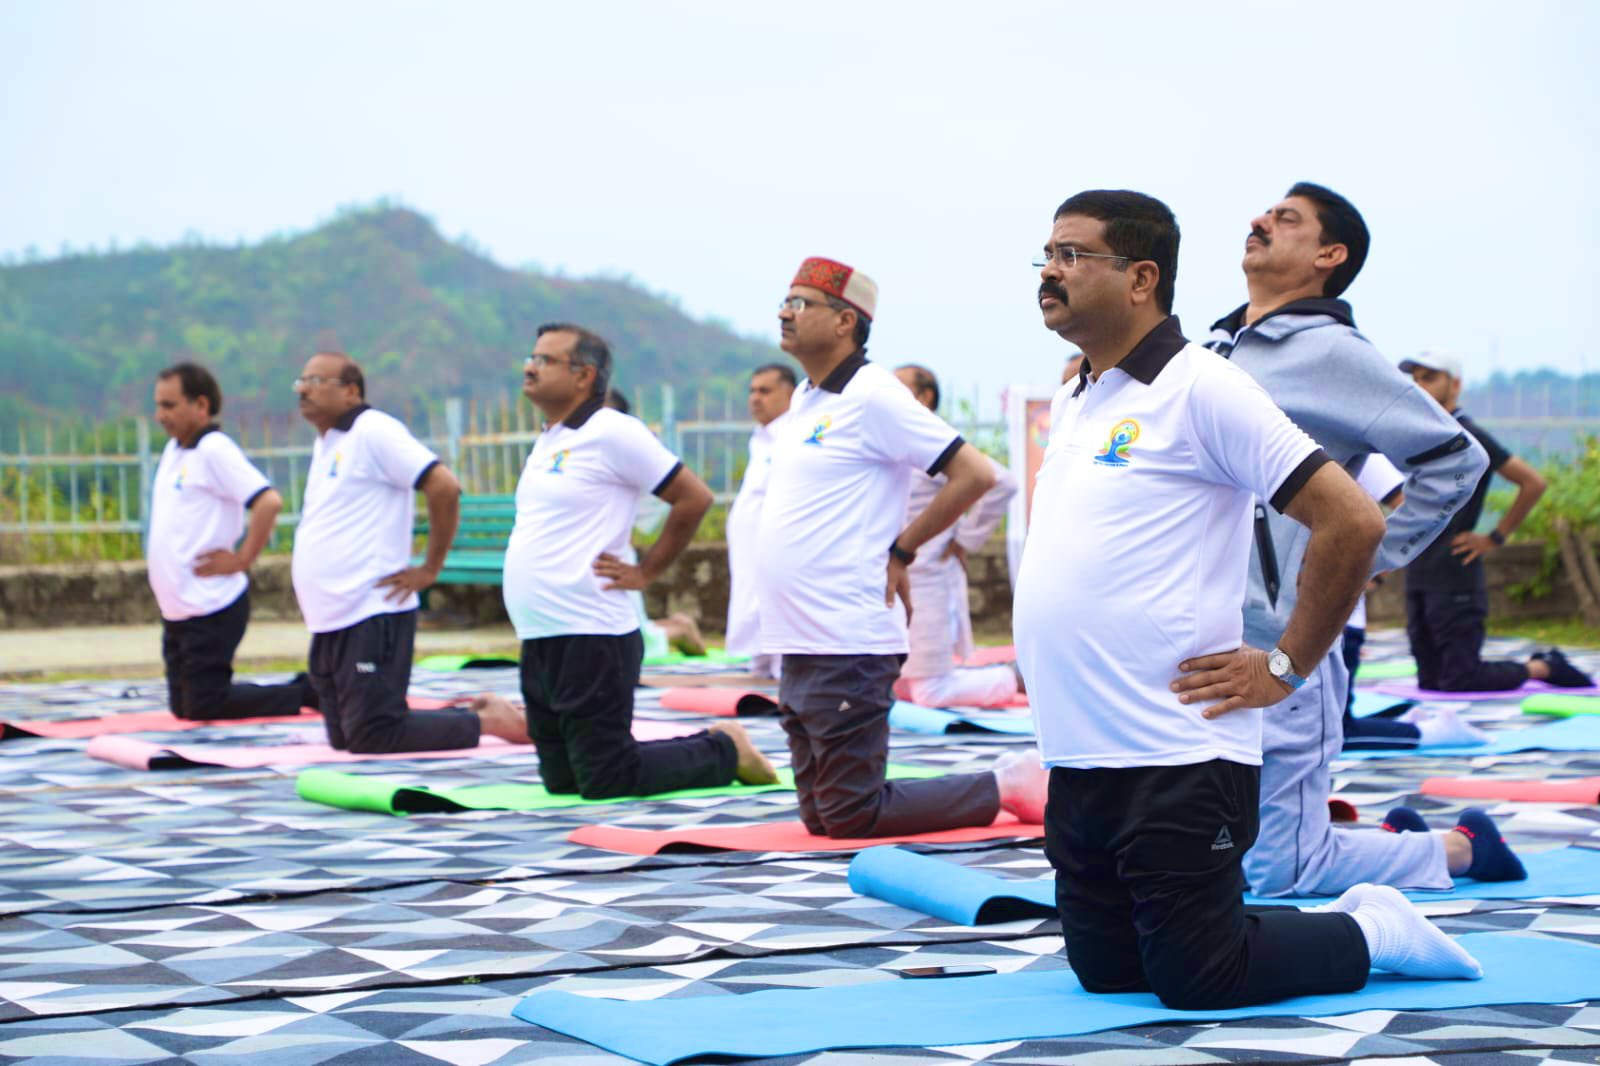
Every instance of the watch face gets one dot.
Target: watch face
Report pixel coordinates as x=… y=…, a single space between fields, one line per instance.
x=1278 y=663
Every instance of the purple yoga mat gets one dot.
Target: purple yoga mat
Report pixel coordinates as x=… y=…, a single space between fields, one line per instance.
x=1408 y=690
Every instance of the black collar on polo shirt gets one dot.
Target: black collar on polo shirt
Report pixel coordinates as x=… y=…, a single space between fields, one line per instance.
x=348 y=419
x=1148 y=358
x=210 y=428
x=841 y=375
x=583 y=412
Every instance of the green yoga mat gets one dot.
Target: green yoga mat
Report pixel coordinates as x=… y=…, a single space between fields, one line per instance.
x=452 y=663
x=1560 y=706
x=712 y=655
x=364 y=792
x=1386 y=671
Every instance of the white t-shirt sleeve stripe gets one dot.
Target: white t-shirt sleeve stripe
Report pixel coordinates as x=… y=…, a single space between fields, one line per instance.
x=399 y=458
x=897 y=428
x=1240 y=436
x=231 y=476
x=637 y=458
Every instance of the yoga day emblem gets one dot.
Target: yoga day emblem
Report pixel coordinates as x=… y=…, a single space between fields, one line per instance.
x=183 y=469
x=333 y=467
x=817 y=431
x=1115 y=452
x=559 y=460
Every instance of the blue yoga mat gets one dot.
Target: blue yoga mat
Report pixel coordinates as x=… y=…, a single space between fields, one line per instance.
x=1370 y=704
x=915 y=718
x=969 y=896
x=1573 y=734
x=1020 y=1006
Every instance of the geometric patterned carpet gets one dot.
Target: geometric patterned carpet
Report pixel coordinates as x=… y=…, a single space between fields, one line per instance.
x=201 y=915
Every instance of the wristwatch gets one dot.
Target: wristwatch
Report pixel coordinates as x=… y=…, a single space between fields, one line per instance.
x=1279 y=666
x=1498 y=537
x=900 y=553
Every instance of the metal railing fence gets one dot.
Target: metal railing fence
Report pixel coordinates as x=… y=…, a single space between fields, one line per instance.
x=76 y=494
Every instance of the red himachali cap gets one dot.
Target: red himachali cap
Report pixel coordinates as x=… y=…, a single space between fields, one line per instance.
x=836 y=279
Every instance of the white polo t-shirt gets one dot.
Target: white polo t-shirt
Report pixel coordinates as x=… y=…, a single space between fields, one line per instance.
x=1138 y=552
x=1381 y=480
x=577 y=498
x=744 y=527
x=197 y=504
x=836 y=499
x=356 y=519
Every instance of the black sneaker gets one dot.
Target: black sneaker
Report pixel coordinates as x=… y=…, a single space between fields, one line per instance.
x=1562 y=673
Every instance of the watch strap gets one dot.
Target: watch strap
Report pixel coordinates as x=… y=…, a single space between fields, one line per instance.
x=900 y=553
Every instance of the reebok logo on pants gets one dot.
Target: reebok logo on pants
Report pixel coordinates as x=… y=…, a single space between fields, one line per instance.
x=1224 y=840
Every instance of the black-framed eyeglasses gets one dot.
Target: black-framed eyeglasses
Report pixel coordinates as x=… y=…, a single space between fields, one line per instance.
x=542 y=360
x=1069 y=256
x=796 y=304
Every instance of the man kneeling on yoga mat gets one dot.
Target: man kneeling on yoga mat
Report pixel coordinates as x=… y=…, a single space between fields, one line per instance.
x=569 y=570
x=1128 y=623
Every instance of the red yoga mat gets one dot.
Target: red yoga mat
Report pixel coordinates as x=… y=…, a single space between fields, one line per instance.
x=719 y=702
x=778 y=836
x=1583 y=790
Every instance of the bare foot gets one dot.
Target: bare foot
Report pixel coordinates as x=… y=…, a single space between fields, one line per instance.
x=754 y=768
x=683 y=633
x=499 y=717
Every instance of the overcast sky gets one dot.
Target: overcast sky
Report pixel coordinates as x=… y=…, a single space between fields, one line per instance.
x=706 y=148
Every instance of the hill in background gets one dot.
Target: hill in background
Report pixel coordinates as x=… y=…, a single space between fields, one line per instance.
x=425 y=316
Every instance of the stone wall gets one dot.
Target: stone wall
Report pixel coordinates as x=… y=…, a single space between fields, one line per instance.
x=697 y=585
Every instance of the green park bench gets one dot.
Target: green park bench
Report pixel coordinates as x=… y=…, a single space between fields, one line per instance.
x=478 y=555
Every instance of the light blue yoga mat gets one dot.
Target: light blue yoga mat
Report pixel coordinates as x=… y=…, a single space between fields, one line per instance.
x=1573 y=734
x=969 y=896
x=915 y=718
x=1370 y=704
x=1021 y=1006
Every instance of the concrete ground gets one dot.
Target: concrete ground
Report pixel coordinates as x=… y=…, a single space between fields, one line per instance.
x=129 y=651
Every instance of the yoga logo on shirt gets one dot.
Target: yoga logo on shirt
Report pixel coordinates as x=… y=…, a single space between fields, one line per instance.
x=817 y=432
x=183 y=470
x=333 y=467
x=1115 y=452
x=558 y=461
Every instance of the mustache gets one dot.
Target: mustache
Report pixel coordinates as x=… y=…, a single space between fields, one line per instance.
x=1260 y=234
x=1055 y=291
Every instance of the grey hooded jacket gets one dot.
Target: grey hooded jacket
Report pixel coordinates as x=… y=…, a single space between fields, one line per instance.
x=1336 y=386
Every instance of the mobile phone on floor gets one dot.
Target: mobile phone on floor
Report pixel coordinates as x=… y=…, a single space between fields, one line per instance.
x=962 y=970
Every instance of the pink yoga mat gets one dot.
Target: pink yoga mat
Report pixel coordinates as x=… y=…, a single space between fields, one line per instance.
x=1408 y=690
x=991 y=656
x=777 y=836
x=138 y=722
x=1583 y=790
x=719 y=702
x=166 y=722
x=137 y=754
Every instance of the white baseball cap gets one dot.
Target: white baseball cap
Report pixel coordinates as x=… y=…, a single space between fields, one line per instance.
x=1448 y=362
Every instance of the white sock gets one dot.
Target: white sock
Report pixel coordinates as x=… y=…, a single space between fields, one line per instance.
x=1402 y=941
x=1024 y=785
x=1445 y=728
x=1345 y=904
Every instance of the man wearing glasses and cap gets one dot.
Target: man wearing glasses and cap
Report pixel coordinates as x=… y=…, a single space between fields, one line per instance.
x=1447 y=601
x=835 y=543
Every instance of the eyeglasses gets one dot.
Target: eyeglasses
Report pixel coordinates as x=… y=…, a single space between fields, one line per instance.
x=1069 y=257
x=542 y=360
x=796 y=304
x=312 y=381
